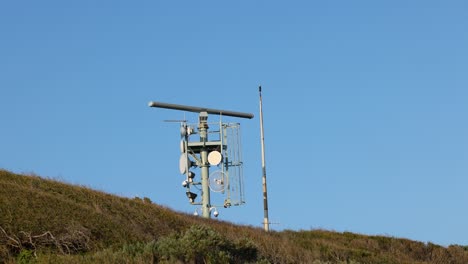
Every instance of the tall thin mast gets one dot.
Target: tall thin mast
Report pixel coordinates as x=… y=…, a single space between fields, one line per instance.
x=266 y=223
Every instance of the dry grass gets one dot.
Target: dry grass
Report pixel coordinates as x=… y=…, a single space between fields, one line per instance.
x=46 y=221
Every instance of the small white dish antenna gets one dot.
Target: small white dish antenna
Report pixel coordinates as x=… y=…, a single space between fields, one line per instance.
x=183 y=130
x=184 y=163
x=217 y=179
x=182 y=146
x=215 y=158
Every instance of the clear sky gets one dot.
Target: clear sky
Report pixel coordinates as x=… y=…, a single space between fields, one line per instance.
x=365 y=104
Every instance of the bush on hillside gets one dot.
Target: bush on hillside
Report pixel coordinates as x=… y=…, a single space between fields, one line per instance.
x=201 y=244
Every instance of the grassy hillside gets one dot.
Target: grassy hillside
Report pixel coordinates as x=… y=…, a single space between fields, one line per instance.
x=45 y=221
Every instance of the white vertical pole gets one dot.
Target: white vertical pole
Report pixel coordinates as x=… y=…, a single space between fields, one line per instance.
x=266 y=223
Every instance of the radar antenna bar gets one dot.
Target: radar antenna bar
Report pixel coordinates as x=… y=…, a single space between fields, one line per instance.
x=196 y=109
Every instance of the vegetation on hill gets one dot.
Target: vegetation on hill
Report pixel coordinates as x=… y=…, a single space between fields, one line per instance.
x=46 y=221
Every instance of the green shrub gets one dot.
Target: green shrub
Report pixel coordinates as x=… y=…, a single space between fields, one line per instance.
x=201 y=244
x=26 y=257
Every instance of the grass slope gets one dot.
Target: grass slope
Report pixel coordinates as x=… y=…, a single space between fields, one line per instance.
x=46 y=221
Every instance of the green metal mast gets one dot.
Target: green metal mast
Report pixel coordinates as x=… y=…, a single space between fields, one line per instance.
x=204 y=166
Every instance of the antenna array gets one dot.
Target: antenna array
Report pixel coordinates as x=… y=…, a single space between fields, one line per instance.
x=219 y=147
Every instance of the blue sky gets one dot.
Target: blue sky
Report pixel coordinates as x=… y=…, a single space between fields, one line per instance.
x=364 y=104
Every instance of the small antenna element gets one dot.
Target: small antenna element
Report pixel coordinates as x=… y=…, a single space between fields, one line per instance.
x=266 y=223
